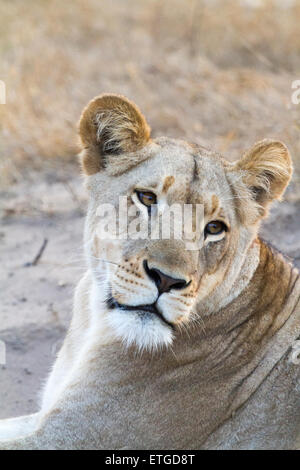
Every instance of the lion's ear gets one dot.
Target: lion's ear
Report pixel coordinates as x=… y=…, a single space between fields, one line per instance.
x=110 y=125
x=263 y=173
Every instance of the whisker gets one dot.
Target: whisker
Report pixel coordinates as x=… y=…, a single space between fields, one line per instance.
x=106 y=261
x=197 y=319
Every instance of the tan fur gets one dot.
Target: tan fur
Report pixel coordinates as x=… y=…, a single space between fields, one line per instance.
x=110 y=124
x=222 y=376
x=264 y=171
x=169 y=180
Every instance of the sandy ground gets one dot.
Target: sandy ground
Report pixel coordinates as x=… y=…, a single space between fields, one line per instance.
x=36 y=301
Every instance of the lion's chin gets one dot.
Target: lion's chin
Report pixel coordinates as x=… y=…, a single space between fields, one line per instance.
x=141 y=329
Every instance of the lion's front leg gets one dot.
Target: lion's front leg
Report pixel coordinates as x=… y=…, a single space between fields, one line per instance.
x=63 y=428
x=25 y=433
x=18 y=427
x=23 y=443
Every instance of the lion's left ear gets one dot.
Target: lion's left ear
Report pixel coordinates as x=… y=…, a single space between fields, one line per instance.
x=110 y=125
x=265 y=170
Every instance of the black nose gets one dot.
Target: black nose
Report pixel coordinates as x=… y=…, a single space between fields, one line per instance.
x=163 y=282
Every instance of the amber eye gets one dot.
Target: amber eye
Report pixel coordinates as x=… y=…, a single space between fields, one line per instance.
x=215 y=228
x=146 y=197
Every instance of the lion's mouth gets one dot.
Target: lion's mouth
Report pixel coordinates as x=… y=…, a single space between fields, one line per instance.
x=151 y=308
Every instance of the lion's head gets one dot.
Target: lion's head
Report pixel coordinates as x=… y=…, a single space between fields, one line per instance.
x=152 y=285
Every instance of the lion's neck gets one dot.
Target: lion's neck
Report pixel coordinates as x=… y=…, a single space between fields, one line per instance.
x=259 y=298
x=235 y=279
x=266 y=298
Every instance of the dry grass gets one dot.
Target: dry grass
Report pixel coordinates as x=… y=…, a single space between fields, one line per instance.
x=217 y=72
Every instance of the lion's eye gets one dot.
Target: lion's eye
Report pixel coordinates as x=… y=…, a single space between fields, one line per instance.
x=146 y=197
x=216 y=227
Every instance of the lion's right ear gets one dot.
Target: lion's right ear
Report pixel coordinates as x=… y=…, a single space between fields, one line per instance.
x=110 y=125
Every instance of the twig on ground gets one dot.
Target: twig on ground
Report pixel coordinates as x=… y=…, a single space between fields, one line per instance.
x=38 y=256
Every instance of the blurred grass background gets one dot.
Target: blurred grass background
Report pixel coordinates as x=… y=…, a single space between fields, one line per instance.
x=213 y=72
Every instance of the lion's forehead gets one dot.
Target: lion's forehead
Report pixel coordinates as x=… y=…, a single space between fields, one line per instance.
x=184 y=161
x=189 y=174
x=177 y=170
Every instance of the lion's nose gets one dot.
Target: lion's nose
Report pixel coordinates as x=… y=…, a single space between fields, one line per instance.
x=164 y=283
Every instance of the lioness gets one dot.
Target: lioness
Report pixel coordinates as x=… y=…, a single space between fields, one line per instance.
x=171 y=347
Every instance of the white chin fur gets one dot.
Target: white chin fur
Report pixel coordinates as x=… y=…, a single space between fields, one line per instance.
x=144 y=331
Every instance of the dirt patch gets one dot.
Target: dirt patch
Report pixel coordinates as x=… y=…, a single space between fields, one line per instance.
x=30 y=352
x=36 y=301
